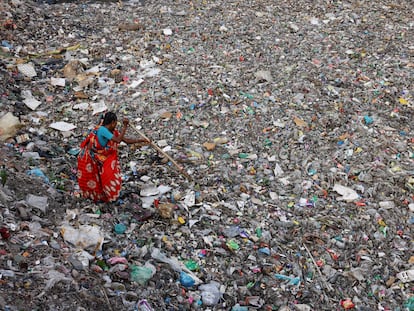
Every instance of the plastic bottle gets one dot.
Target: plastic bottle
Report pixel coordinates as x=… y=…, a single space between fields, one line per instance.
x=259 y=232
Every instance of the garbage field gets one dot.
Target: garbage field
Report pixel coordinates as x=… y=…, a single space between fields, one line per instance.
x=279 y=173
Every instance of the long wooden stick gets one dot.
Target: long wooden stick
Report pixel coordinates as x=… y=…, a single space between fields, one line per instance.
x=325 y=283
x=153 y=145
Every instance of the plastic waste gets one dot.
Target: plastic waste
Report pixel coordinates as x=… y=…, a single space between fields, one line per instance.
x=347 y=194
x=39 y=202
x=9 y=125
x=186 y=280
x=85 y=236
x=57 y=81
x=141 y=274
x=7 y=273
x=5 y=233
x=149 y=190
x=27 y=69
x=406 y=276
x=233 y=245
x=120 y=228
x=38 y=173
x=31 y=155
x=143 y=305
x=238 y=307
x=232 y=231
x=368 y=120
x=133 y=167
x=55 y=277
x=292 y=280
x=30 y=101
x=210 y=293
x=270 y=107
x=302 y=307
x=174 y=264
x=116 y=260
x=191 y=265
x=83 y=257
x=409 y=304
x=347 y=304
x=62 y=126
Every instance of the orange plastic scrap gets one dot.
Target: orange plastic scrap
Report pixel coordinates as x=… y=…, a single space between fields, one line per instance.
x=179 y=115
x=299 y=122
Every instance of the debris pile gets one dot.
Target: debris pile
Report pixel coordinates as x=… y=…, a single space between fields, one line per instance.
x=281 y=170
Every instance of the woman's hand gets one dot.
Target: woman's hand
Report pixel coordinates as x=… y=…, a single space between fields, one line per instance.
x=136 y=142
x=125 y=122
x=145 y=141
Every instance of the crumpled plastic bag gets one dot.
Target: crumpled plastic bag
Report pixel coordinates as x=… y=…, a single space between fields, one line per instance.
x=174 y=264
x=141 y=274
x=348 y=194
x=55 y=277
x=210 y=293
x=84 y=237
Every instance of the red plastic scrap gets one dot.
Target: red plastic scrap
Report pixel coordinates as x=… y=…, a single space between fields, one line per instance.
x=8 y=24
x=5 y=234
x=334 y=255
x=347 y=304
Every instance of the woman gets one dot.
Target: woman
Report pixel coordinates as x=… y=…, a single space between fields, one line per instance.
x=99 y=172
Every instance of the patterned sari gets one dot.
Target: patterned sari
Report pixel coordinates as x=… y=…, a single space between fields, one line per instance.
x=99 y=172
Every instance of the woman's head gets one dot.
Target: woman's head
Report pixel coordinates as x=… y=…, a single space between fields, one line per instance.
x=109 y=118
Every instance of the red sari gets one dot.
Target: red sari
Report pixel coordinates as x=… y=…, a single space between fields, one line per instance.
x=99 y=173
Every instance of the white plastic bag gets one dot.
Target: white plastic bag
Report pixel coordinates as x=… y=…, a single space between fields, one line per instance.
x=84 y=237
x=210 y=293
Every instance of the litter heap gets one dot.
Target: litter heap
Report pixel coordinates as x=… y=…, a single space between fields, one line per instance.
x=294 y=120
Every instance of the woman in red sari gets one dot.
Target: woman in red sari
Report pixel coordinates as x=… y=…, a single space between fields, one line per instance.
x=99 y=172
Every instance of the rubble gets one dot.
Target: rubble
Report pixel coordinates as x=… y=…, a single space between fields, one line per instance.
x=280 y=174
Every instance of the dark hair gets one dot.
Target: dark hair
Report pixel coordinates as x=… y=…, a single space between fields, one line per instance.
x=109 y=118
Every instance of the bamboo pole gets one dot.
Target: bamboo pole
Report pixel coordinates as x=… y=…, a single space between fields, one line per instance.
x=153 y=145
